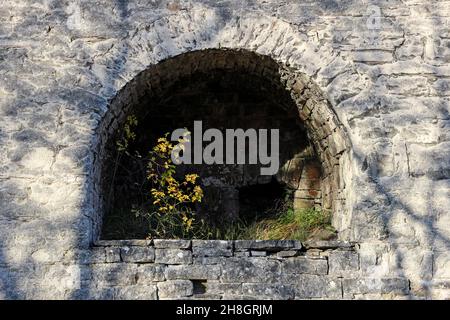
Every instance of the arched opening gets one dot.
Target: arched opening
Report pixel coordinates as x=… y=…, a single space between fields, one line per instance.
x=225 y=89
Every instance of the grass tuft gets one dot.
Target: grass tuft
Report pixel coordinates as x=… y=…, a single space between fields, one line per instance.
x=290 y=224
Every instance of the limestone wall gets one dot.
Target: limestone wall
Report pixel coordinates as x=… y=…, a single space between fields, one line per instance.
x=244 y=269
x=61 y=64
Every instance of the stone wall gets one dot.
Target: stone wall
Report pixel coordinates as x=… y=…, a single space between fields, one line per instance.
x=386 y=86
x=241 y=269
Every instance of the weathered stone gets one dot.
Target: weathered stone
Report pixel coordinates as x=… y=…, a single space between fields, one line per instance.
x=273 y=291
x=212 y=248
x=314 y=286
x=242 y=253
x=298 y=265
x=112 y=254
x=269 y=245
x=100 y=293
x=112 y=274
x=343 y=262
x=193 y=272
x=287 y=253
x=217 y=287
x=208 y=260
x=171 y=244
x=136 y=292
x=255 y=253
x=329 y=244
x=93 y=255
x=303 y=203
x=175 y=289
x=250 y=270
x=375 y=285
x=173 y=256
x=307 y=194
x=150 y=273
x=137 y=254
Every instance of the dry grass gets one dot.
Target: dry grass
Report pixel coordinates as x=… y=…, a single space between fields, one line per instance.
x=291 y=224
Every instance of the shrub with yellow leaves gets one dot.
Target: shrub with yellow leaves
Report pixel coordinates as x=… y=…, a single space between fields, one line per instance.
x=173 y=199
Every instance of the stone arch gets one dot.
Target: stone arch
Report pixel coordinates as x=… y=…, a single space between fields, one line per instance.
x=323 y=127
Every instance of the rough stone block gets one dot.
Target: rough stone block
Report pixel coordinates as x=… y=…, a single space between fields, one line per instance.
x=173 y=256
x=287 y=253
x=330 y=244
x=100 y=293
x=217 y=287
x=212 y=248
x=273 y=291
x=149 y=273
x=314 y=286
x=298 y=265
x=250 y=270
x=255 y=253
x=343 y=262
x=112 y=254
x=269 y=245
x=309 y=184
x=93 y=255
x=137 y=254
x=208 y=260
x=111 y=274
x=175 y=289
x=375 y=285
x=307 y=194
x=193 y=272
x=242 y=253
x=303 y=203
x=171 y=244
x=137 y=292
